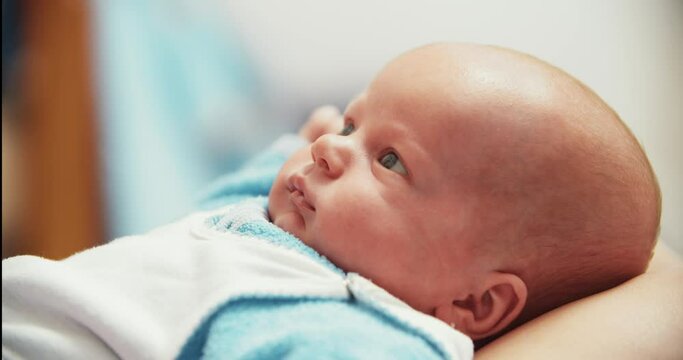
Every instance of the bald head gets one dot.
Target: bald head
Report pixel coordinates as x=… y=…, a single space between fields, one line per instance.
x=563 y=194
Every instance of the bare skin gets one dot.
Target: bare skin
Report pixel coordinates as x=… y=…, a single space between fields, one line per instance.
x=499 y=144
x=602 y=326
x=640 y=319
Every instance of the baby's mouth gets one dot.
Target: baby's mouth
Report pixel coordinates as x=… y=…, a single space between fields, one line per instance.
x=297 y=192
x=299 y=199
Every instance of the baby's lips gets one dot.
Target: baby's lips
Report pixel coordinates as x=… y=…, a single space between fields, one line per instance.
x=296 y=183
x=299 y=199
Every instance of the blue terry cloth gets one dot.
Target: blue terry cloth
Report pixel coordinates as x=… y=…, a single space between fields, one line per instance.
x=309 y=329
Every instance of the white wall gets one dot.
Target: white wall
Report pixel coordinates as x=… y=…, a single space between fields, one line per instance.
x=629 y=51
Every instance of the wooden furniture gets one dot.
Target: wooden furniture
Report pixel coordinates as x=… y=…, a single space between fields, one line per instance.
x=62 y=213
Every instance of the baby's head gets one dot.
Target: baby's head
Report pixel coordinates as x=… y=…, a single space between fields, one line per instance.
x=478 y=185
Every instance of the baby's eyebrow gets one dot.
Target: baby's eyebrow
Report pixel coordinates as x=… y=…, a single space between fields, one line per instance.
x=355 y=103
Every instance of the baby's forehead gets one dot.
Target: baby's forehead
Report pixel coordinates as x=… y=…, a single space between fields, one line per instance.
x=478 y=75
x=476 y=104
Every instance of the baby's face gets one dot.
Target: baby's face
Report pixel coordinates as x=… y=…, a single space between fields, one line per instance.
x=451 y=155
x=380 y=198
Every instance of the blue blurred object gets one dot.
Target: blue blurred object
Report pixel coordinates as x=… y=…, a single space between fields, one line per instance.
x=11 y=35
x=179 y=104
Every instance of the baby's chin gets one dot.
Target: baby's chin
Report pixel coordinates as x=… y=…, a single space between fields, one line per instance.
x=290 y=222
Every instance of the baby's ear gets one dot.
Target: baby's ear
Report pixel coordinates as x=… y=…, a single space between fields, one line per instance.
x=489 y=308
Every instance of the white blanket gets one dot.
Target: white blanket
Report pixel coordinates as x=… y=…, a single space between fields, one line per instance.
x=141 y=297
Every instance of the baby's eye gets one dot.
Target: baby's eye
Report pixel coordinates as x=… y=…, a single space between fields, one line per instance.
x=347 y=130
x=391 y=161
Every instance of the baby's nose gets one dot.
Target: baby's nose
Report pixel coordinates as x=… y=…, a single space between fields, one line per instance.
x=332 y=154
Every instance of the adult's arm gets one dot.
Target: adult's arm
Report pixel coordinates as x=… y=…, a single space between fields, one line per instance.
x=640 y=319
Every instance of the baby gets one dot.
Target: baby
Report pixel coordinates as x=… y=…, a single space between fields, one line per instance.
x=476 y=187
x=480 y=185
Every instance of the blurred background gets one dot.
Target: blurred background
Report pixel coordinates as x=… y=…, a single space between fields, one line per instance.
x=116 y=114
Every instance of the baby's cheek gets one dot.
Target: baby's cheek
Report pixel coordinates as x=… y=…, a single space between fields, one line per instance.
x=351 y=248
x=345 y=225
x=348 y=212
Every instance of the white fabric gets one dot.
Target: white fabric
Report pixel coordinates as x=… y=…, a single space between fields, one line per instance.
x=141 y=297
